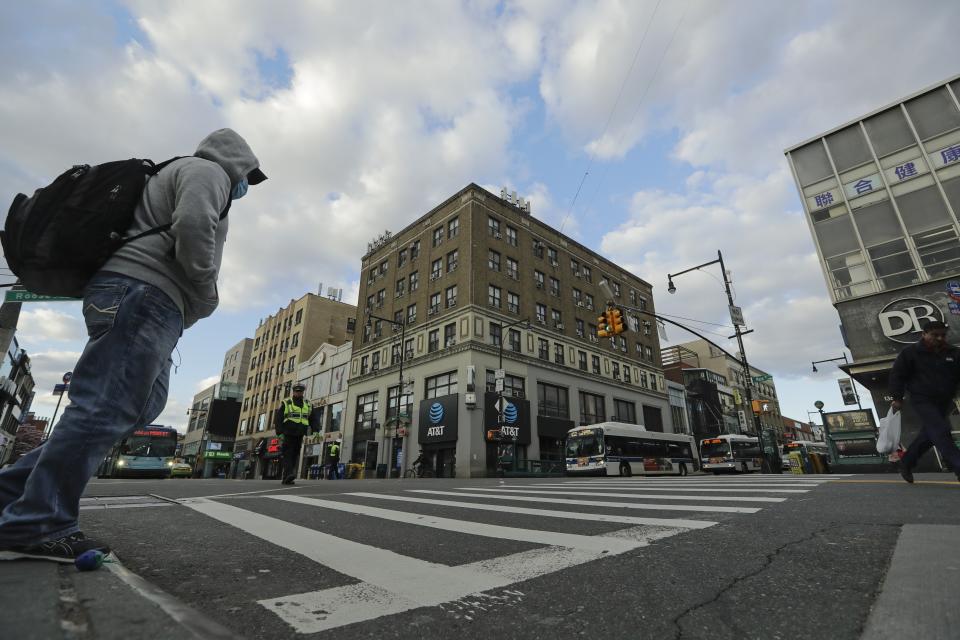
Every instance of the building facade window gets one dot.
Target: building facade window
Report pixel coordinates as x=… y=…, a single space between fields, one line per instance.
x=401 y=287
x=415 y=250
x=453 y=228
x=433 y=341
x=434 y=307
x=436 y=269
x=552 y=401
x=595 y=362
x=538 y=279
x=451 y=295
x=543 y=349
x=587 y=274
x=495 y=333
x=367 y=407
x=514 y=340
x=401 y=258
x=493 y=296
x=444 y=384
x=582 y=360
x=592 y=408
x=449 y=335
x=511 y=236
x=452 y=259
x=558 y=353
x=437 y=236
x=493 y=260
x=552 y=256
x=513 y=386
x=541 y=313
x=414 y=281
x=513 y=269
x=513 y=302
x=493 y=227
x=411 y=314
x=624 y=411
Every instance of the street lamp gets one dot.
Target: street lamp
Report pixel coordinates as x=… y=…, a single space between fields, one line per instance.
x=672 y=288
x=403 y=334
x=852 y=383
x=504 y=327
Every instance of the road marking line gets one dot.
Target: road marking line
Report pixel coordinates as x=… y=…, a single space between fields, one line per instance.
x=681 y=483
x=535 y=536
x=595 y=503
x=951 y=483
x=560 y=487
x=247 y=493
x=647 y=496
x=546 y=513
x=393 y=583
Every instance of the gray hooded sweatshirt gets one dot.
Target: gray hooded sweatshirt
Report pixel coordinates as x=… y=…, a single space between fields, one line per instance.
x=190 y=193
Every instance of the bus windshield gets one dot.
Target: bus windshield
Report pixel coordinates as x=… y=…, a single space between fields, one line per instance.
x=715 y=448
x=149 y=446
x=585 y=443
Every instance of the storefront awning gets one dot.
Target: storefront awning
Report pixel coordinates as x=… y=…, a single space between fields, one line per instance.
x=870 y=373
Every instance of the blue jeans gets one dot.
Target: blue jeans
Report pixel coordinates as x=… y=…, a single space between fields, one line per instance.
x=119 y=384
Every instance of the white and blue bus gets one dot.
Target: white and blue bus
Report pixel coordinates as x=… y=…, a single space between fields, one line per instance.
x=145 y=453
x=732 y=453
x=620 y=449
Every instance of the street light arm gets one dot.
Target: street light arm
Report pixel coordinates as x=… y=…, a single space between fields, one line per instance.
x=670 y=276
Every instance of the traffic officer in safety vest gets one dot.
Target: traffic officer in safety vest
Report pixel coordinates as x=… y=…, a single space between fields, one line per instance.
x=292 y=420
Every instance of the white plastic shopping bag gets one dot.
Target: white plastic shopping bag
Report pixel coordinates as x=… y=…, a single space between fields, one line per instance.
x=889 y=438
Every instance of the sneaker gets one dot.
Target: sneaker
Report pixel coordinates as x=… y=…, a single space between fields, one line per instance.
x=65 y=549
x=906 y=474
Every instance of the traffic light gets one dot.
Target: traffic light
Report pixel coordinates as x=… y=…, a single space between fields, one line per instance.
x=615 y=318
x=604 y=330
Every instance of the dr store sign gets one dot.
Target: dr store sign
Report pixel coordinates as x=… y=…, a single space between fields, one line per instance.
x=901 y=320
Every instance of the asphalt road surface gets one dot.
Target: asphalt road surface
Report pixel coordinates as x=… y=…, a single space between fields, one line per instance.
x=697 y=557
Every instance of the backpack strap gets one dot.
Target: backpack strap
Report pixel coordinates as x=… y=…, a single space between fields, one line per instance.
x=152 y=170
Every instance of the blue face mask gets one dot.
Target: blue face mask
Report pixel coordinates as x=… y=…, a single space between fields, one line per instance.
x=240 y=189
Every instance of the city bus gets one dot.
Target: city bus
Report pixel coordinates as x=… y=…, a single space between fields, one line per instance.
x=620 y=449
x=731 y=452
x=145 y=453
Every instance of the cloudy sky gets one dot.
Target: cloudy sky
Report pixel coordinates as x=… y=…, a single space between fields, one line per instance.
x=652 y=131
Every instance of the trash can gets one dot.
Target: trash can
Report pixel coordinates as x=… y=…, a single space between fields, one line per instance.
x=381 y=471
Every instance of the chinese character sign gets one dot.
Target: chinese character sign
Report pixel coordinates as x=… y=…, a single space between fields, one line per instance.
x=823 y=199
x=950 y=154
x=863 y=186
x=906 y=170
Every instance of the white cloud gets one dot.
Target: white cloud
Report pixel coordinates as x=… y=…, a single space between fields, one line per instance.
x=41 y=324
x=207 y=382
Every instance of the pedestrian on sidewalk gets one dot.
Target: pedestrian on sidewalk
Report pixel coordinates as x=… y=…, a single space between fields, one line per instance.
x=135 y=309
x=292 y=420
x=333 y=454
x=929 y=371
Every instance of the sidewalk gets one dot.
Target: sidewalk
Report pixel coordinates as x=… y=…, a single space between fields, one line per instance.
x=42 y=600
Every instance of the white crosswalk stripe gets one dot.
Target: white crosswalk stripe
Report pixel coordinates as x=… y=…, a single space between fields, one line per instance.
x=383 y=578
x=647 y=496
x=545 y=513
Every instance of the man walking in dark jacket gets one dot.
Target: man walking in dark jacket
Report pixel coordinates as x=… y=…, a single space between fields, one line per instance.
x=929 y=370
x=135 y=309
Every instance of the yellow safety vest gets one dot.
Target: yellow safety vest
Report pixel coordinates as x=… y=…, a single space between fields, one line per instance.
x=295 y=414
x=334 y=451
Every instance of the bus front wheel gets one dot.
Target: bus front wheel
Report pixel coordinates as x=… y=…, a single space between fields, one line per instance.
x=625 y=470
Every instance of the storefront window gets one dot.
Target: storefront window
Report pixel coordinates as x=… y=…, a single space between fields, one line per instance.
x=442 y=385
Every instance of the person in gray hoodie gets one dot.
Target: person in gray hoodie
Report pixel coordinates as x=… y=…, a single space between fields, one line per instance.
x=135 y=309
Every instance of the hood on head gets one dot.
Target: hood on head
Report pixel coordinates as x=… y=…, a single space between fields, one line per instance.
x=229 y=150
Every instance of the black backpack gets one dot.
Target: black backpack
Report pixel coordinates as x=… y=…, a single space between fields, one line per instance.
x=56 y=240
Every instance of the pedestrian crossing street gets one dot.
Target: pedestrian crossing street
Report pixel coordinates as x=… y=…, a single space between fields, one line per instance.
x=383 y=581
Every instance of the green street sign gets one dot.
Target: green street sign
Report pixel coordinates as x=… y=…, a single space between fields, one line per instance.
x=762 y=378
x=21 y=295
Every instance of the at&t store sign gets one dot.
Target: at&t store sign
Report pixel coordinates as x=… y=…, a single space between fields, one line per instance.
x=438 y=420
